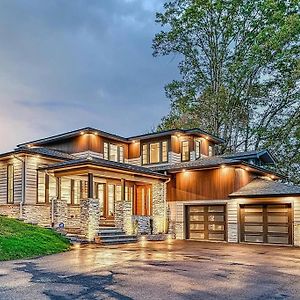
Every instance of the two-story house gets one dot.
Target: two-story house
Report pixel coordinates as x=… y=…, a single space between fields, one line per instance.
x=170 y=181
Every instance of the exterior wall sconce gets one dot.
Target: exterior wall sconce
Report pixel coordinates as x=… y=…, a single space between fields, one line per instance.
x=223 y=166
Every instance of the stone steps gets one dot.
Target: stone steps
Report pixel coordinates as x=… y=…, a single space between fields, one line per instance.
x=114 y=236
x=76 y=239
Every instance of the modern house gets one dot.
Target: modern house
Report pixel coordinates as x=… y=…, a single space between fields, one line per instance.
x=166 y=182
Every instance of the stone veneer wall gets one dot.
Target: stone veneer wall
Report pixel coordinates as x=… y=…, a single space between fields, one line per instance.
x=141 y=224
x=60 y=212
x=159 y=213
x=73 y=217
x=39 y=214
x=89 y=217
x=12 y=211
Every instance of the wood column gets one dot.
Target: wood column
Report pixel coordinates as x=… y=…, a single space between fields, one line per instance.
x=90 y=185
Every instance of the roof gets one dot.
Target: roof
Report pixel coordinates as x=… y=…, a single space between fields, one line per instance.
x=104 y=163
x=39 y=151
x=194 y=131
x=91 y=130
x=213 y=162
x=264 y=187
x=74 y=133
x=265 y=155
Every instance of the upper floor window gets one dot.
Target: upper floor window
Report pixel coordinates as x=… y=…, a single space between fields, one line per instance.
x=113 y=152
x=10 y=184
x=154 y=153
x=197 y=149
x=185 y=151
x=210 y=151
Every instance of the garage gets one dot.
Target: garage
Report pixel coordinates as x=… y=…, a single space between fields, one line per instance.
x=266 y=223
x=206 y=222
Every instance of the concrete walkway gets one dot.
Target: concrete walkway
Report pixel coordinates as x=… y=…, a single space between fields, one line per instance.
x=157 y=270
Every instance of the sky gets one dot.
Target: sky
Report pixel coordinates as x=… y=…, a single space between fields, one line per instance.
x=71 y=64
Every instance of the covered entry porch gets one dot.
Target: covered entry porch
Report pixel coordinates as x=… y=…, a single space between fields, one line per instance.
x=90 y=193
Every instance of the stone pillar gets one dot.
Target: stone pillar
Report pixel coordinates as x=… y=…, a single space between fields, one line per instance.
x=127 y=217
x=159 y=207
x=60 y=212
x=89 y=217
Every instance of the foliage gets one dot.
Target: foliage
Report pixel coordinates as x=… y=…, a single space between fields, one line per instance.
x=20 y=240
x=239 y=72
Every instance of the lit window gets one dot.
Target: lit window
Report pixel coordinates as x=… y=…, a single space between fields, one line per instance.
x=66 y=190
x=154 y=153
x=210 y=151
x=76 y=192
x=198 y=149
x=185 y=151
x=164 y=151
x=113 y=152
x=145 y=154
x=121 y=154
x=105 y=154
x=111 y=199
x=101 y=188
x=10 y=184
x=41 y=186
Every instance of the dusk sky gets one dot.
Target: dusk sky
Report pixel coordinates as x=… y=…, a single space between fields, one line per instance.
x=71 y=64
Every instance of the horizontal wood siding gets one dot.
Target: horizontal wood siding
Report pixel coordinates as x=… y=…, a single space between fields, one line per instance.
x=3 y=183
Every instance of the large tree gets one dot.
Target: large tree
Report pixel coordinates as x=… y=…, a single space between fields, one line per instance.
x=239 y=72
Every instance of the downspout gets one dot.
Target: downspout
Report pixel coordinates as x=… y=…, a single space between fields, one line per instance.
x=166 y=206
x=23 y=161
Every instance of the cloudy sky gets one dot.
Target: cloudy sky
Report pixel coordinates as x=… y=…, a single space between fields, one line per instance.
x=71 y=64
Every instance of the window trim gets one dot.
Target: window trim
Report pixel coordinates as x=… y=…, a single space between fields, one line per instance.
x=212 y=150
x=189 y=150
x=46 y=187
x=160 y=152
x=8 y=190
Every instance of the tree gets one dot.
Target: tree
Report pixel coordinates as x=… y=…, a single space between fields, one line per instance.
x=239 y=69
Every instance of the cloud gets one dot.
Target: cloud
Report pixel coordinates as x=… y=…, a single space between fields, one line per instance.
x=70 y=64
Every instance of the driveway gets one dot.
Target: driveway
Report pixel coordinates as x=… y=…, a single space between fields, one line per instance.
x=157 y=270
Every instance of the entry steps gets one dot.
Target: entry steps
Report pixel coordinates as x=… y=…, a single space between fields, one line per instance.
x=77 y=239
x=114 y=236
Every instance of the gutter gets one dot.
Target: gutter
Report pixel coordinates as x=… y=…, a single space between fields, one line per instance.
x=23 y=161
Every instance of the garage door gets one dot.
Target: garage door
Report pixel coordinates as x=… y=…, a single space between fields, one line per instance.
x=266 y=224
x=206 y=222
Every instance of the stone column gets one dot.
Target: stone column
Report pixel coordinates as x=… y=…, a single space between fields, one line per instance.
x=159 y=207
x=89 y=217
x=60 y=212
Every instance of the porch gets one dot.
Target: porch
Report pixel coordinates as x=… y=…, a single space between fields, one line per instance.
x=87 y=194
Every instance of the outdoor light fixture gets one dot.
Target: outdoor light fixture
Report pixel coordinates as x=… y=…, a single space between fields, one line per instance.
x=95 y=133
x=207 y=137
x=223 y=166
x=247 y=169
x=82 y=132
x=183 y=170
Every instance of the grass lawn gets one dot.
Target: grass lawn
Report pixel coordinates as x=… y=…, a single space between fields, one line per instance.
x=20 y=240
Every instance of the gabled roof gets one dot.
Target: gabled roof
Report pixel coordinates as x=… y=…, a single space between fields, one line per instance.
x=193 y=131
x=74 y=133
x=38 y=151
x=264 y=155
x=264 y=187
x=106 y=164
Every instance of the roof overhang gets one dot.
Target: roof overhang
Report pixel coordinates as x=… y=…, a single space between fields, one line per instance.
x=89 y=165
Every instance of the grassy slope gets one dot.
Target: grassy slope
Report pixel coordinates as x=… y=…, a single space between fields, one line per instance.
x=20 y=240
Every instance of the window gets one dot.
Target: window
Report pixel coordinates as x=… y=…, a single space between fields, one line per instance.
x=210 y=151
x=65 y=188
x=10 y=184
x=154 y=153
x=145 y=154
x=113 y=152
x=41 y=187
x=185 y=151
x=164 y=151
x=111 y=199
x=75 y=186
x=101 y=188
x=198 y=149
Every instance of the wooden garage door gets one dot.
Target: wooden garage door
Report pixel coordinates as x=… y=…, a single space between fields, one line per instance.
x=206 y=222
x=266 y=223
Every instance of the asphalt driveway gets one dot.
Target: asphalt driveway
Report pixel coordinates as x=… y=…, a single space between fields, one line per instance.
x=157 y=270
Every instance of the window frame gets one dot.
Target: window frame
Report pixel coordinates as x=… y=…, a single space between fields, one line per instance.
x=212 y=150
x=107 y=152
x=189 y=150
x=46 y=188
x=10 y=190
x=198 y=145
x=146 y=147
